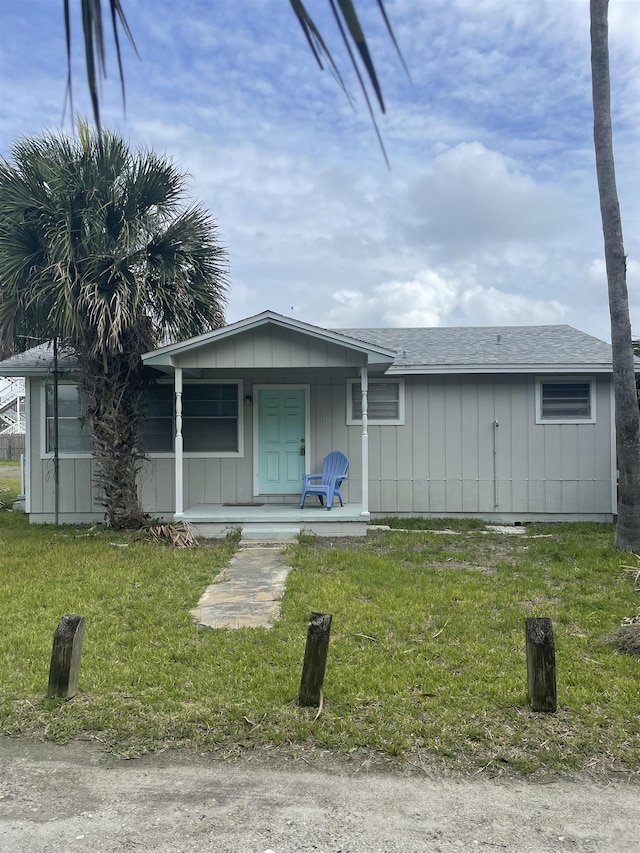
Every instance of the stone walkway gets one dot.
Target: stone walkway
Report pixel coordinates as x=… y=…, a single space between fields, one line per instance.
x=247 y=592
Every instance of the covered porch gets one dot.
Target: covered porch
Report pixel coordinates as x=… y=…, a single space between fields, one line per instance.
x=276 y=521
x=249 y=409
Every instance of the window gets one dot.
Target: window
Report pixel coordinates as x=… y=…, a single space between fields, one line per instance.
x=385 y=401
x=158 y=427
x=565 y=400
x=73 y=431
x=210 y=418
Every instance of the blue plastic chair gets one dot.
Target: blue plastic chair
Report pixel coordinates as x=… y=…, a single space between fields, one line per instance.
x=334 y=472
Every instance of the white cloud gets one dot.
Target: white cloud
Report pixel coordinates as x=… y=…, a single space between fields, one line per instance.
x=473 y=196
x=439 y=297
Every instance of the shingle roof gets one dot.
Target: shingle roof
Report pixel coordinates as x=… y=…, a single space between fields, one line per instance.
x=489 y=345
x=478 y=348
x=37 y=360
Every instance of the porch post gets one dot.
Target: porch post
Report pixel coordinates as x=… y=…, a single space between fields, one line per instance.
x=364 y=384
x=178 y=443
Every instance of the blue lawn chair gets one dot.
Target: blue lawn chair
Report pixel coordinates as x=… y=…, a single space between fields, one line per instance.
x=334 y=471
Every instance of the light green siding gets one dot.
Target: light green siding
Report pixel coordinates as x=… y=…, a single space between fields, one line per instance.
x=440 y=462
x=443 y=457
x=269 y=347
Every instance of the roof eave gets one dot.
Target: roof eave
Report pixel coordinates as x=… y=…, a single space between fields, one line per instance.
x=436 y=369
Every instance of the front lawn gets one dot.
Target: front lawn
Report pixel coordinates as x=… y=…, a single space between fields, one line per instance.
x=426 y=659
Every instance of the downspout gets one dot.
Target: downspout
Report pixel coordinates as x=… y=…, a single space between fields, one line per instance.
x=179 y=509
x=56 y=437
x=495 y=464
x=27 y=443
x=364 y=384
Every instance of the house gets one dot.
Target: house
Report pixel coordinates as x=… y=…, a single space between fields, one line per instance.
x=511 y=424
x=11 y=406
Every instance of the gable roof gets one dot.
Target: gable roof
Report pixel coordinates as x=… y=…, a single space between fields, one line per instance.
x=433 y=350
x=490 y=349
x=377 y=353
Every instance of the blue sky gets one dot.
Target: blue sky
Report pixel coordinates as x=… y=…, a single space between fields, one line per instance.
x=489 y=215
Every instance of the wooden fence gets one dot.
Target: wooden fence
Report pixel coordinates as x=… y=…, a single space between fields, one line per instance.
x=11 y=446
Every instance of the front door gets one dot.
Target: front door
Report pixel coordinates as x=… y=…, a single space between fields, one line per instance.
x=281 y=440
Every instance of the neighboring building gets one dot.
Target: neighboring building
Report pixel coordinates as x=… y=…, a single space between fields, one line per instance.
x=510 y=424
x=12 y=409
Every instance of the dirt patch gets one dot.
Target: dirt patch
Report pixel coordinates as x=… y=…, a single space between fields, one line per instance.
x=469 y=567
x=627 y=637
x=8 y=472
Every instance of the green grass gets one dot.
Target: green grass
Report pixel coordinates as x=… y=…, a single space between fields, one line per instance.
x=426 y=658
x=422 y=523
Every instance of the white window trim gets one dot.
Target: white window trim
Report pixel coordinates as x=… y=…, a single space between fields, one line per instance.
x=159 y=454
x=49 y=454
x=206 y=454
x=399 y=421
x=548 y=380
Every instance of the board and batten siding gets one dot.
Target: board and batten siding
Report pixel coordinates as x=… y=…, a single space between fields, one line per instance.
x=211 y=480
x=268 y=347
x=76 y=492
x=441 y=461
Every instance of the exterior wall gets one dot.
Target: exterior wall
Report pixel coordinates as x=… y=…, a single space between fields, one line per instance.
x=440 y=462
x=269 y=347
x=230 y=480
x=76 y=494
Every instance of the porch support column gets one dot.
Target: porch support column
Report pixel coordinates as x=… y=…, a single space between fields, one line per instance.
x=179 y=444
x=364 y=384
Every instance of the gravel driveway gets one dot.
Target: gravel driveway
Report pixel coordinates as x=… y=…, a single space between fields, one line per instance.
x=73 y=798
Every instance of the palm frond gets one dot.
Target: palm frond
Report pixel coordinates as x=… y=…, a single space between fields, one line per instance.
x=178 y=534
x=94 y=49
x=344 y=12
x=358 y=37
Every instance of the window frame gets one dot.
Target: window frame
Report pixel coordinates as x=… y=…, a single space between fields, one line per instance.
x=371 y=421
x=155 y=454
x=44 y=422
x=204 y=454
x=550 y=380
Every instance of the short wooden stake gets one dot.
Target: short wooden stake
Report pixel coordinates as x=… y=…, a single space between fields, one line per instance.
x=315 y=659
x=65 y=657
x=541 y=665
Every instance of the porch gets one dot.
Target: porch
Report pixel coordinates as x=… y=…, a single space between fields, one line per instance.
x=276 y=521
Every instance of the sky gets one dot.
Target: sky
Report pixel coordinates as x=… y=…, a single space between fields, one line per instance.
x=489 y=213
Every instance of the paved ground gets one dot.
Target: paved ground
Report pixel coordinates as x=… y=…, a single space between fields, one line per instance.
x=56 y=799
x=247 y=592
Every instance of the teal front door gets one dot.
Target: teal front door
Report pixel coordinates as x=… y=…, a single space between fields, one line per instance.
x=281 y=440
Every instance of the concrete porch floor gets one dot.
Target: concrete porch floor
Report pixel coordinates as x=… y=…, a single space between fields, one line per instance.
x=276 y=521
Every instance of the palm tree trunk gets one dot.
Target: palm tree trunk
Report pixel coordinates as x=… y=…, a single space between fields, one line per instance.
x=112 y=393
x=626 y=405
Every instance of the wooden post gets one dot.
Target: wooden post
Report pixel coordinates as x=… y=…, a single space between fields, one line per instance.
x=65 y=657
x=315 y=659
x=541 y=665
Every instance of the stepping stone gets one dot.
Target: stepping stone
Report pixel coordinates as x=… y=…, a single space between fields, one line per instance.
x=247 y=593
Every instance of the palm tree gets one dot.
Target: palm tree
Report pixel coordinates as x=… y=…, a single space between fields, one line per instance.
x=101 y=251
x=627 y=414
